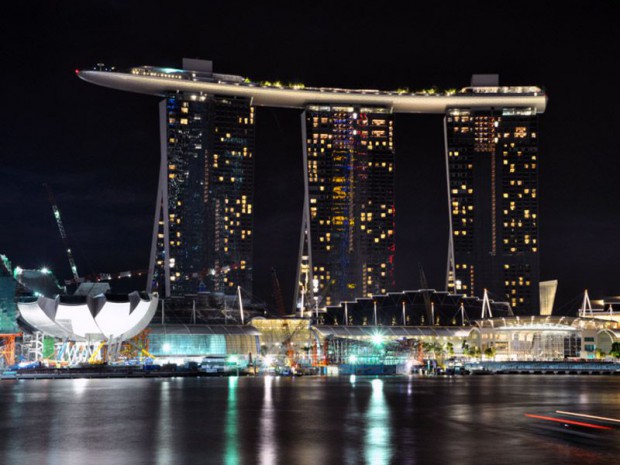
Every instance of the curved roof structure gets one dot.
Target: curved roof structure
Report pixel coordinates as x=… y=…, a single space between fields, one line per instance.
x=159 y=81
x=546 y=323
x=91 y=319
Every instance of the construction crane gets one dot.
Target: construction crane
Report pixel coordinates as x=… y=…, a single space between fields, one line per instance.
x=287 y=342
x=63 y=234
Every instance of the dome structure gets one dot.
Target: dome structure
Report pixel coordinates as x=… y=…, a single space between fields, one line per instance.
x=103 y=317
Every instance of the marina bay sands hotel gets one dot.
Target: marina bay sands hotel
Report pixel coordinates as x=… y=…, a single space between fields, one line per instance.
x=202 y=234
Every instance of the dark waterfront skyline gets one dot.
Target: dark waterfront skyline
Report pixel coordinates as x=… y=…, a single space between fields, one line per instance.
x=99 y=149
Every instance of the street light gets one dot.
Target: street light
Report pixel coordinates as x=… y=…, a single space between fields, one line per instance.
x=377 y=338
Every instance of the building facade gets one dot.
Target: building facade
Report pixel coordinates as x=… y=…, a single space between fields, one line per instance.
x=202 y=238
x=492 y=164
x=347 y=242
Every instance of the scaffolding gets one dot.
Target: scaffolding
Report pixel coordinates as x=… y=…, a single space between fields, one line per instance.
x=7 y=349
x=72 y=353
x=32 y=347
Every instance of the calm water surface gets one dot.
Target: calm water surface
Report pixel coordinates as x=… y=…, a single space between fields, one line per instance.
x=307 y=420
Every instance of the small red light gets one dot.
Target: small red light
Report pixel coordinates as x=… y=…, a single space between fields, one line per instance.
x=77 y=71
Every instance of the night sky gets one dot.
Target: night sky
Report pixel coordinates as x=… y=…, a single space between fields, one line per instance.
x=98 y=148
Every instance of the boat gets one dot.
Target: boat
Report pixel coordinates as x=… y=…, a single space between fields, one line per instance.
x=577 y=427
x=217 y=364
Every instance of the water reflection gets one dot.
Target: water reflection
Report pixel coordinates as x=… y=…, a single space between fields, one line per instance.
x=307 y=420
x=164 y=439
x=267 y=448
x=377 y=441
x=231 y=454
x=79 y=386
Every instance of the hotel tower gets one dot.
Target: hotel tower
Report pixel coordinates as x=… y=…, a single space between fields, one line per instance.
x=347 y=238
x=202 y=237
x=492 y=167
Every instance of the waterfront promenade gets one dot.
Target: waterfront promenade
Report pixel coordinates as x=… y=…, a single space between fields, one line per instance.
x=484 y=367
x=547 y=367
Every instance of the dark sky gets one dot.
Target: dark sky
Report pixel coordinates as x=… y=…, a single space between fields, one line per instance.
x=98 y=148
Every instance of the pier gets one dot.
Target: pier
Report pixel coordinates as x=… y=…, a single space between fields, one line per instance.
x=547 y=367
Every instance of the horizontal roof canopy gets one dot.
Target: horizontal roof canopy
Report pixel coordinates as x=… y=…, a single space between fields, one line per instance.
x=300 y=98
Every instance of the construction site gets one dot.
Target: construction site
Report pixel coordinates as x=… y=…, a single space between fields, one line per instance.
x=42 y=327
x=83 y=324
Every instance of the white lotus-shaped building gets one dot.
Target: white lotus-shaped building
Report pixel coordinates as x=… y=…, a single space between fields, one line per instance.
x=90 y=318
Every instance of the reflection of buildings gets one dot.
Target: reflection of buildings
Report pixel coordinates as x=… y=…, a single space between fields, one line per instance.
x=348 y=221
x=492 y=161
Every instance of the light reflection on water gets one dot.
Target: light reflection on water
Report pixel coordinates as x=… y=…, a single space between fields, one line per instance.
x=232 y=436
x=164 y=433
x=79 y=386
x=267 y=444
x=307 y=420
x=377 y=441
